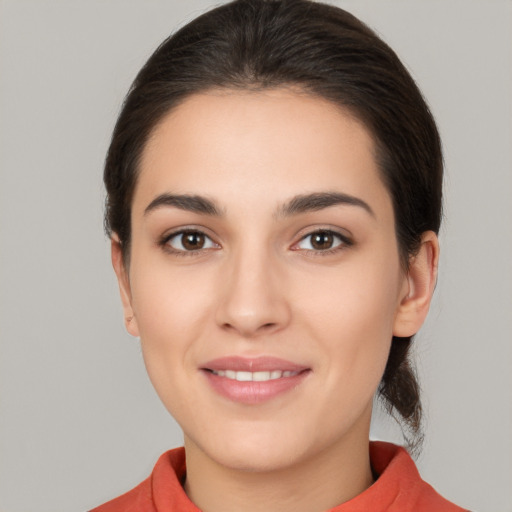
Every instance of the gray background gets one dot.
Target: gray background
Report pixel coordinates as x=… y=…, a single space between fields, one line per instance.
x=79 y=420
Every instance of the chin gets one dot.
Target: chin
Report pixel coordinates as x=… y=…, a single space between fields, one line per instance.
x=256 y=449
x=257 y=459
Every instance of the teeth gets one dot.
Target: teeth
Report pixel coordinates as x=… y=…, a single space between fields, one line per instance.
x=254 y=376
x=243 y=376
x=262 y=376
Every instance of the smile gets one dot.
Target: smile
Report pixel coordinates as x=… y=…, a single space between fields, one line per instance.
x=255 y=380
x=263 y=376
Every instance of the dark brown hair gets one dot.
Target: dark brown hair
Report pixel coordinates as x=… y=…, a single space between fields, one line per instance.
x=324 y=51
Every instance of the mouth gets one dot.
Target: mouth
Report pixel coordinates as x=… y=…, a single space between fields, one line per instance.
x=253 y=380
x=242 y=376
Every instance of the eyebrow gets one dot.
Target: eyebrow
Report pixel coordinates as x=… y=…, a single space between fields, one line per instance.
x=191 y=203
x=320 y=200
x=297 y=205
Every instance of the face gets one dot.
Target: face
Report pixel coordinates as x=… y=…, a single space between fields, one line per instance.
x=264 y=281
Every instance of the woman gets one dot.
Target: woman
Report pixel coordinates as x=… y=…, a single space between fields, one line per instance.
x=273 y=200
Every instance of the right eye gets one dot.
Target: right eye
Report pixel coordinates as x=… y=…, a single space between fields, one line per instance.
x=189 y=241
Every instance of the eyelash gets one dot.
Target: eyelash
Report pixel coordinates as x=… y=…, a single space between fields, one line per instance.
x=164 y=242
x=344 y=242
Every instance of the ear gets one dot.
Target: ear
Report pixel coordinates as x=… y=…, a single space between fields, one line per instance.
x=123 y=279
x=418 y=287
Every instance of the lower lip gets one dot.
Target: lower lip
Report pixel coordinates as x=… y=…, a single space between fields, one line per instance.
x=253 y=392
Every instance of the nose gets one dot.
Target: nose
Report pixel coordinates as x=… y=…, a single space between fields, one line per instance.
x=252 y=299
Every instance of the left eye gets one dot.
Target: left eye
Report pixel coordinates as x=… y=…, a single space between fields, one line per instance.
x=190 y=241
x=321 y=241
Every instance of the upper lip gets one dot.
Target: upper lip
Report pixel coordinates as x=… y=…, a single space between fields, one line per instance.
x=253 y=364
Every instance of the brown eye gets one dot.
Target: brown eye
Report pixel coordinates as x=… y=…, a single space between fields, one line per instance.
x=322 y=240
x=192 y=241
x=187 y=241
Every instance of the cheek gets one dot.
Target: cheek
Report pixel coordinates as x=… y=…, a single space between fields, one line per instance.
x=172 y=309
x=167 y=299
x=353 y=294
x=351 y=311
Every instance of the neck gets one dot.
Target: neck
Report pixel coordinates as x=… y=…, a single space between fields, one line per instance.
x=324 y=481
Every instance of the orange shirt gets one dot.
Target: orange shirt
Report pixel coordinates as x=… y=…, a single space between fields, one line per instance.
x=399 y=487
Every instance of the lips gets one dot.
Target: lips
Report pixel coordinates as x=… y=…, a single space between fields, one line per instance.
x=254 y=376
x=253 y=380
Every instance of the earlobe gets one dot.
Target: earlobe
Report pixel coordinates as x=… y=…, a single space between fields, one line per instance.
x=421 y=280
x=123 y=281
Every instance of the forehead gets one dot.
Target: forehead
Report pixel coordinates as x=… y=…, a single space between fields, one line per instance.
x=271 y=143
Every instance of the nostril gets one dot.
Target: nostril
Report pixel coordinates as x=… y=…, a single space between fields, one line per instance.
x=250 y=330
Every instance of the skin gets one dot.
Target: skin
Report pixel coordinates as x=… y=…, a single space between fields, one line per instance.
x=259 y=287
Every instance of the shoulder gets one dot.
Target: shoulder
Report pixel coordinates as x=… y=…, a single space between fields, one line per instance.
x=161 y=491
x=138 y=499
x=400 y=479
